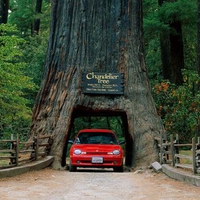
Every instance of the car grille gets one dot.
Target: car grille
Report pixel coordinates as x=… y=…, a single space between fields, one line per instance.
x=104 y=162
x=96 y=153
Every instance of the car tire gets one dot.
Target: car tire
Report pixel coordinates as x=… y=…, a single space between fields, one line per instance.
x=119 y=169
x=72 y=168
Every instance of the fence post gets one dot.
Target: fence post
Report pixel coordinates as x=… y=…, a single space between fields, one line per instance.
x=198 y=153
x=161 y=150
x=194 y=155
x=172 y=149
x=177 y=148
x=12 y=138
x=17 y=150
x=36 y=147
x=12 y=147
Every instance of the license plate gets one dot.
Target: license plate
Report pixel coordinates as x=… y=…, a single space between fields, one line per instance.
x=97 y=160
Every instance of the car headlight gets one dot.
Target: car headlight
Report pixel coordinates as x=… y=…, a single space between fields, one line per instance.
x=116 y=152
x=77 y=151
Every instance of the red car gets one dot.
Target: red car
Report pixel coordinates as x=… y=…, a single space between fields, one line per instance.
x=96 y=148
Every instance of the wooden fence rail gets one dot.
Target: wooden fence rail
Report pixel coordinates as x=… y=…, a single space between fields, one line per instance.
x=169 y=152
x=16 y=153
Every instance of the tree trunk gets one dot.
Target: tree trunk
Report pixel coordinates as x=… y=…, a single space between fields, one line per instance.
x=4 y=5
x=97 y=36
x=165 y=51
x=165 y=56
x=198 y=40
x=177 y=55
x=37 y=20
x=172 y=55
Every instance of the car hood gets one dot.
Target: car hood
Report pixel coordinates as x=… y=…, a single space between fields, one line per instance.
x=96 y=147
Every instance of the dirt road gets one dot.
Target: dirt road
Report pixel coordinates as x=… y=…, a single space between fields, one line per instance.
x=49 y=184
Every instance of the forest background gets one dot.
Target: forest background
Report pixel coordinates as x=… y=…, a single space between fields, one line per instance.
x=171 y=46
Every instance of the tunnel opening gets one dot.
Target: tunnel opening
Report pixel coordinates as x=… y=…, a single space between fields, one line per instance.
x=102 y=119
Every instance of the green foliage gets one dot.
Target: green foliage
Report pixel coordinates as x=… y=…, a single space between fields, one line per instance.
x=34 y=49
x=153 y=59
x=152 y=23
x=14 y=111
x=180 y=10
x=157 y=20
x=34 y=53
x=179 y=106
x=23 y=57
x=23 y=14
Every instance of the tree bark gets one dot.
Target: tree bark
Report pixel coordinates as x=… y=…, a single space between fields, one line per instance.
x=4 y=6
x=98 y=36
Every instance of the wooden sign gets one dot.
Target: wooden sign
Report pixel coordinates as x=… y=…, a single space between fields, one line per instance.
x=102 y=83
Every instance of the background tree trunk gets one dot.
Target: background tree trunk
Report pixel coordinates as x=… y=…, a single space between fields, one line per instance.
x=38 y=10
x=165 y=51
x=198 y=39
x=4 y=5
x=172 y=55
x=98 y=36
x=177 y=55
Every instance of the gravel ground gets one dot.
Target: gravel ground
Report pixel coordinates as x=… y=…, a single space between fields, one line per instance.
x=48 y=184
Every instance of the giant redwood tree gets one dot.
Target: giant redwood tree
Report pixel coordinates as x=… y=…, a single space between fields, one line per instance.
x=100 y=36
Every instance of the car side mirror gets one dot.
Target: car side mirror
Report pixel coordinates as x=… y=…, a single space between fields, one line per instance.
x=70 y=141
x=122 y=142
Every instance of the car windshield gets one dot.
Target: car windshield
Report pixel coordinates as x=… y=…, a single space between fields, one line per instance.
x=96 y=138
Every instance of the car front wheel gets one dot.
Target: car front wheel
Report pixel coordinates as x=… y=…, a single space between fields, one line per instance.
x=72 y=168
x=119 y=169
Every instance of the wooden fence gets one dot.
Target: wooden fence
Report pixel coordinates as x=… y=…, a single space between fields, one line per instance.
x=14 y=153
x=169 y=152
